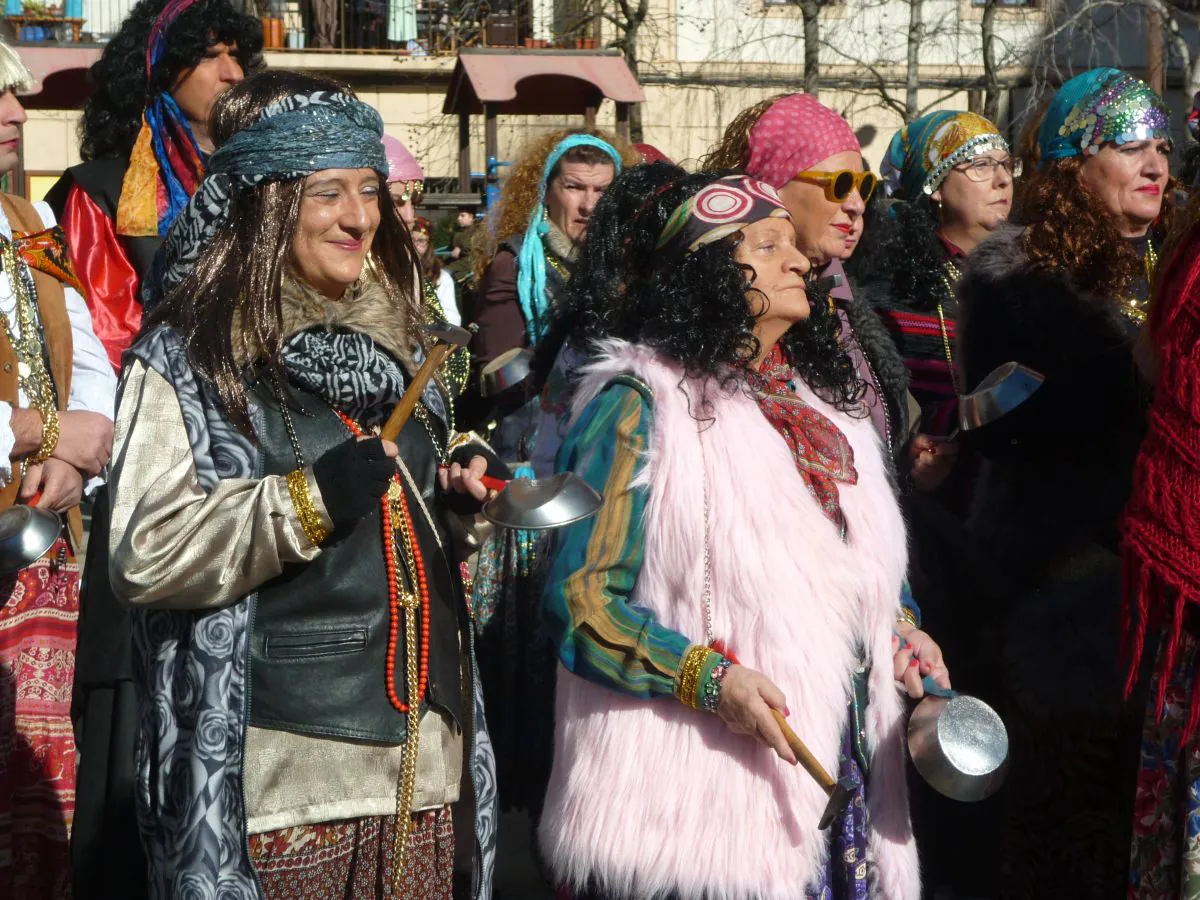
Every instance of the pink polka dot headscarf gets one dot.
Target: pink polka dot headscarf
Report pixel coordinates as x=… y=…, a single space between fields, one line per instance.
x=796 y=133
x=402 y=165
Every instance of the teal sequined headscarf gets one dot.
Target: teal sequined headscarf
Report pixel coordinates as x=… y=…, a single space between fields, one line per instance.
x=1101 y=106
x=923 y=152
x=531 y=264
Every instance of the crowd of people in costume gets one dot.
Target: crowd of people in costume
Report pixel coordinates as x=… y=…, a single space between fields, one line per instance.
x=291 y=657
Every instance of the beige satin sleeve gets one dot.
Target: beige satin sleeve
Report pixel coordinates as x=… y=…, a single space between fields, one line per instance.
x=172 y=544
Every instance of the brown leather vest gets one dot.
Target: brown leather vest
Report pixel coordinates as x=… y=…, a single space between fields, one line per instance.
x=52 y=306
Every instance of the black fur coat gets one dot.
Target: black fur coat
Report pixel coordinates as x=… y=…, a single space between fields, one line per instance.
x=1060 y=467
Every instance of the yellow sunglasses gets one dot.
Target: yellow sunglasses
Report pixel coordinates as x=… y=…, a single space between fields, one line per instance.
x=839 y=185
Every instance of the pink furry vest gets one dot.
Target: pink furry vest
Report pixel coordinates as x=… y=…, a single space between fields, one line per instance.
x=652 y=797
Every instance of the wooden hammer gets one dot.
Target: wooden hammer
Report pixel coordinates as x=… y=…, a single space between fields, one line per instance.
x=450 y=338
x=840 y=793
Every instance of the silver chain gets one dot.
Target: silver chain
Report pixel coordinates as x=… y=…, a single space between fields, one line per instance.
x=709 y=636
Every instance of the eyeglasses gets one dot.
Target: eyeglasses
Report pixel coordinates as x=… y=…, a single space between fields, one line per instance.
x=983 y=168
x=839 y=185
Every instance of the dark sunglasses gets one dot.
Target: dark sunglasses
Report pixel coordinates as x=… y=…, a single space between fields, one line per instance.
x=839 y=185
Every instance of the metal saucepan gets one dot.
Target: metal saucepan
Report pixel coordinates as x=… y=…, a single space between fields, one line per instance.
x=958 y=743
x=26 y=533
x=505 y=371
x=539 y=504
x=1003 y=390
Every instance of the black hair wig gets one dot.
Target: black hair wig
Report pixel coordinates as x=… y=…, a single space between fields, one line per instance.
x=909 y=255
x=691 y=309
x=113 y=114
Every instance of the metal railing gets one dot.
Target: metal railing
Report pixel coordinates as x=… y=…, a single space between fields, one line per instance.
x=414 y=27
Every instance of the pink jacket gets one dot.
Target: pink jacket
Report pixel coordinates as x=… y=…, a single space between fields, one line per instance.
x=654 y=797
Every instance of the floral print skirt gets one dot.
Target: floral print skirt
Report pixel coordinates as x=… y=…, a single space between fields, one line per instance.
x=39 y=609
x=352 y=860
x=1165 y=858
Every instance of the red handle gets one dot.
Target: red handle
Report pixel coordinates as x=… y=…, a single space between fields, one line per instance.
x=34 y=500
x=493 y=484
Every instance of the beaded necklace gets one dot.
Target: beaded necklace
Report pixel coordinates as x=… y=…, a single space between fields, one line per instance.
x=403 y=603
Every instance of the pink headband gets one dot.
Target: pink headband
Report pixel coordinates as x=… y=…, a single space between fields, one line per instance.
x=793 y=135
x=402 y=165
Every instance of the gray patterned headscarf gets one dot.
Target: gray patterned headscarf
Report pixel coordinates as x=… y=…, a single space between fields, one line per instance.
x=293 y=138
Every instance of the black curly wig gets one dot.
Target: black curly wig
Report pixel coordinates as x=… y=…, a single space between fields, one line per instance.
x=691 y=309
x=911 y=255
x=113 y=114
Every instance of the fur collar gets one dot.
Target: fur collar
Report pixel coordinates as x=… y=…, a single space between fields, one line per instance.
x=1001 y=253
x=560 y=245
x=365 y=307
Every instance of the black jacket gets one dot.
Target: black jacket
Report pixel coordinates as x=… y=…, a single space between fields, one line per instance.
x=1060 y=467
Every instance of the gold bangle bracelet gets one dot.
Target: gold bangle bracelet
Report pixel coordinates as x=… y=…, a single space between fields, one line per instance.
x=50 y=434
x=687 y=681
x=306 y=510
x=906 y=615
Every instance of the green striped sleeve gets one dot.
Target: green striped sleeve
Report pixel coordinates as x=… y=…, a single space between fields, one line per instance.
x=594 y=564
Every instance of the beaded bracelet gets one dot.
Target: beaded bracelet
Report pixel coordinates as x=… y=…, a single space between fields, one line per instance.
x=687 y=681
x=711 y=695
x=50 y=434
x=306 y=510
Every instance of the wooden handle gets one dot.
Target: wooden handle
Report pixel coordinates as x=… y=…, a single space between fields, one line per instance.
x=803 y=755
x=404 y=409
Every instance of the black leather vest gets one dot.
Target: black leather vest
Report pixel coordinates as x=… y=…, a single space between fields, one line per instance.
x=319 y=635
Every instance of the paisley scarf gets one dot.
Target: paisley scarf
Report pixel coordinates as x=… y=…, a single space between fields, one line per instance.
x=166 y=164
x=822 y=453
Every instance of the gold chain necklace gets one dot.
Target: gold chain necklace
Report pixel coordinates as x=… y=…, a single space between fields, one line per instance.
x=32 y=376
x=1134 y=309
x=558 y=267
x=411 y=604
x=950 y=274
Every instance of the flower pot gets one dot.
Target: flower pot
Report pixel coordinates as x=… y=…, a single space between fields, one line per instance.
x=540 y=43
x=589 y=43
x=578 y=43
x=528 y=43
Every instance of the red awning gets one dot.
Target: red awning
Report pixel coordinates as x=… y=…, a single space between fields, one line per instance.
x=539 y=82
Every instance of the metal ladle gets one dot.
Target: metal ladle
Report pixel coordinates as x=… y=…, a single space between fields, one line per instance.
x=540 y=504
x=1003 y=389
x=958 y=743
x=26 y=534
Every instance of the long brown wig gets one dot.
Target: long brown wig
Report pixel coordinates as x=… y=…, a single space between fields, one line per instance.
x=1069 y=229
x=228 y=310
x=520 y=191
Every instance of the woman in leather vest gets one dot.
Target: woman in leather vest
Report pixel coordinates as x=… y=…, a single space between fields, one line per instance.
x=310 y=713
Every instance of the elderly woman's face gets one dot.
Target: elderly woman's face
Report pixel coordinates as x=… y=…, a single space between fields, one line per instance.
x=1130 y=180
x=339 y=215
x=977 y=194
x=768 y=246
x=826 y=230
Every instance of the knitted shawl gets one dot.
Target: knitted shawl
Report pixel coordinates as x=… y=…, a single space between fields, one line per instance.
x=1161 y=527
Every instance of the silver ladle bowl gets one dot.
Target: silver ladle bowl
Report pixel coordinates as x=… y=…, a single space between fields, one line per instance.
x=26 y=534
x=958 y=743
x=1003 y=389
x=543 y=503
